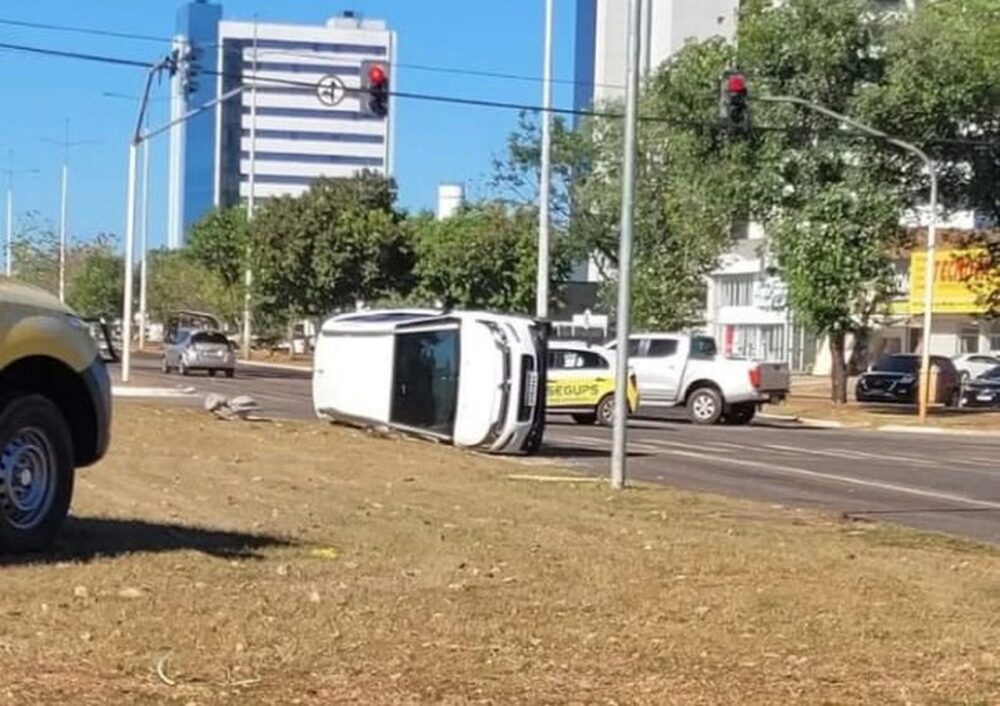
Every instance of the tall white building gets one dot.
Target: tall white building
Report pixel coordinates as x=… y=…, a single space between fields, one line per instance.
x=297 y=137
x=601 y=37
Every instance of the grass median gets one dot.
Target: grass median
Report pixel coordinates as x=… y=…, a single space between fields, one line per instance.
x=296 y=563
x=879 y=415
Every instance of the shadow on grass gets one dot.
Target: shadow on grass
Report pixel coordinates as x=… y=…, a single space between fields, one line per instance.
x=569 y=451
x=88 y=538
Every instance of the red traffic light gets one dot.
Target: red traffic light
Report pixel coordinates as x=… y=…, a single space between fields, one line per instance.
x=736 y=83
x=376 y=74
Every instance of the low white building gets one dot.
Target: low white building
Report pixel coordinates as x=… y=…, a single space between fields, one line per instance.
x=747 y=307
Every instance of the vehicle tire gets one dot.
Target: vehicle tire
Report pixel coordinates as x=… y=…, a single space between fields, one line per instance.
x=741 y=414
x=230 y=373
x=705 y=406
x=954 y=399
x=36 y=472
x=183 y=369
x=606 y=411
x=211 y=373
x=586 y=419
x=164 y=367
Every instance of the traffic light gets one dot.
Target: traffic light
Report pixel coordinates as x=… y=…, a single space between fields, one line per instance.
x=374 y=89
x=734 y=103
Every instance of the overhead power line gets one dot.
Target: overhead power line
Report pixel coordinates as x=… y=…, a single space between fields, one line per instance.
x=82 y=30
x=458 y=100
x=482 y=73
x=76 y=55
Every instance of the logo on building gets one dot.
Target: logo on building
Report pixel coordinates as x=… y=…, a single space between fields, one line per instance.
x=770 y=294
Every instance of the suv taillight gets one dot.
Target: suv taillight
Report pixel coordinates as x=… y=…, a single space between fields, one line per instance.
x=755 y=377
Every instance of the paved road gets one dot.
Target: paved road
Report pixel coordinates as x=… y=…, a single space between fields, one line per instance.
x=944 y=483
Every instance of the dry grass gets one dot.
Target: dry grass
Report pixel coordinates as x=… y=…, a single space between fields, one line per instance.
x=294 y=563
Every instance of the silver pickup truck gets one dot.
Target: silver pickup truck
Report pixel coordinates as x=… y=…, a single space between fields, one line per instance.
x=676 y=370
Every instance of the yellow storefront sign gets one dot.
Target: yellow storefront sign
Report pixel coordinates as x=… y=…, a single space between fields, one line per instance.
x=953 y=272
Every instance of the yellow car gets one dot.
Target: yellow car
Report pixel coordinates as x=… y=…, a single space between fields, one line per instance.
x=55 y=413
x=581 y=383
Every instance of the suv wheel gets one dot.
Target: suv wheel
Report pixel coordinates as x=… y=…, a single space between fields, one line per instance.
x=606 y=411
x=36 y=472
x=705 y=406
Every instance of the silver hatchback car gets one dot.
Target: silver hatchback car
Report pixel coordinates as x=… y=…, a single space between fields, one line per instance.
x=210 y=351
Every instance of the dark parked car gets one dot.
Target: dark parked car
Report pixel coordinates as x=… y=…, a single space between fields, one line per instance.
x=983 y=391
x=896 y=378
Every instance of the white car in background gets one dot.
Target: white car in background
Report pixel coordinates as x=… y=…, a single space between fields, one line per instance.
x=473 y=379
x=972 y=365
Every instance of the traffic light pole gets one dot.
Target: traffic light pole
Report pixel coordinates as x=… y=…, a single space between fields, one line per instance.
x=931 y=166
x=137 y=139
x=618 y=441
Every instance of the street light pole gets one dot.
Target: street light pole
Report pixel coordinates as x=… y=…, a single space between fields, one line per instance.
x=545 y=187
x=10 y=223
x=618 y=450
x=10 y=172
x=931 y=167
x=251 y=198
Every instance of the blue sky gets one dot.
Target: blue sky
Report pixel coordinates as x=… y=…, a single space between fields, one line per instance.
x=435 y=142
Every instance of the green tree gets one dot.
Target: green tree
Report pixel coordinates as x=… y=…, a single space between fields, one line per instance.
x=690 y=187
x=340 y=242
x=98 y=285
x=831 y=214
x=177 y=281
x=485 y=257
x=941 y=92
x=219 y=242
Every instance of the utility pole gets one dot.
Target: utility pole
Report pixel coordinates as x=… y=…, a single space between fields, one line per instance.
x=545 y=187
x=10 y=172
x=144 y=242
x=137 y=138
x=251 y=197
x=618 y=445
x=63 y=202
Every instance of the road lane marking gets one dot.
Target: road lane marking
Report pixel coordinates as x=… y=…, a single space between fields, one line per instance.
x=818 y=475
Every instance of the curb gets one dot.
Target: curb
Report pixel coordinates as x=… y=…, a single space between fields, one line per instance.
x=276 y=366
x=813 y=423
x=937 y=431
x=152 y=392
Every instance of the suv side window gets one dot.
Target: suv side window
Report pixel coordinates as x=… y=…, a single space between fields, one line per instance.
x=634 y=346
x=661 y=348
x=592 y=361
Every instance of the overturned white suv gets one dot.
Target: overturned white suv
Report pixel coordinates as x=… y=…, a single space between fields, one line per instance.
x=474 y=379
x=676 y=370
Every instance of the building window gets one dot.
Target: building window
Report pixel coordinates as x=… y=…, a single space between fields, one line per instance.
x=307 y=135
x=304 y=158
x=737 y=290
x=993 y=332
x=968 y=339
x=279 y=45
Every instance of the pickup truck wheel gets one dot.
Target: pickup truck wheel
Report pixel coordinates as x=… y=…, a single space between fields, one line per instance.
x=584 y=418
x=165 y=367
x=183 y=369
x=740 y=414
x=705 y=406
x=36 y=472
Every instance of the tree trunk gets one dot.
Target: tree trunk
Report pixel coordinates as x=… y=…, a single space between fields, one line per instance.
x=838 y=368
